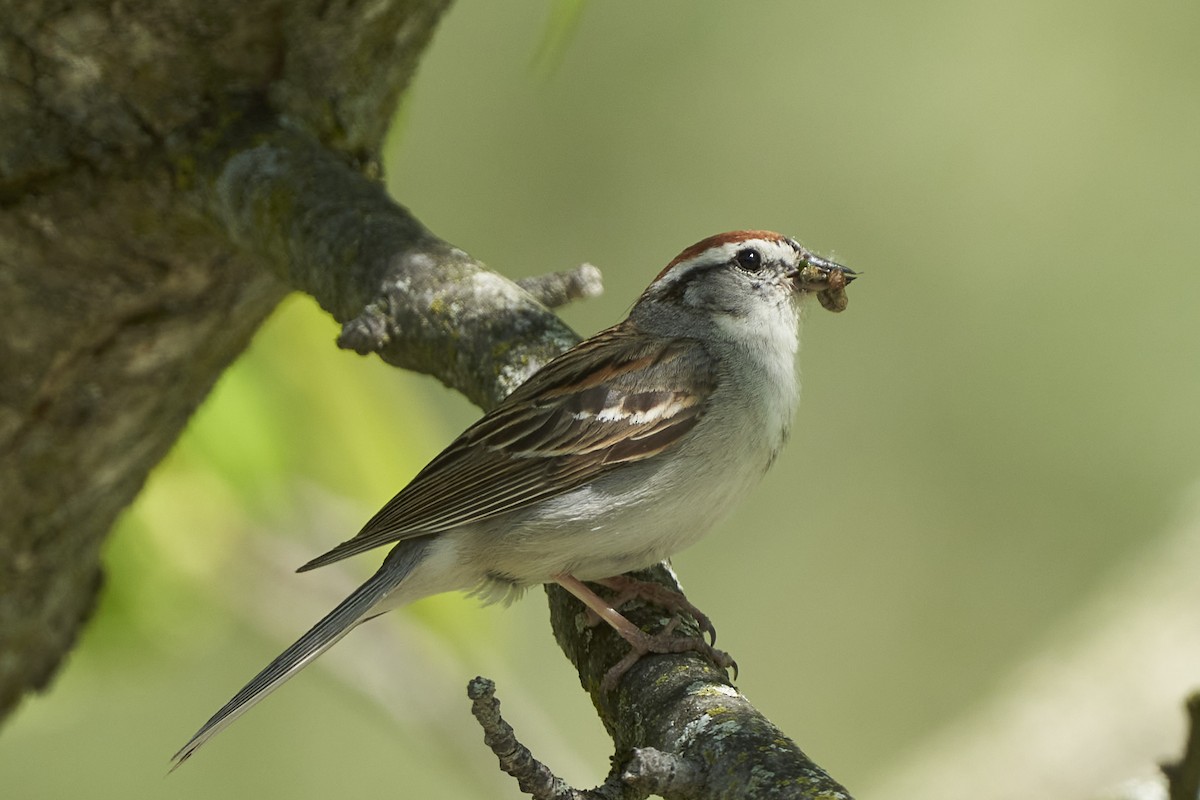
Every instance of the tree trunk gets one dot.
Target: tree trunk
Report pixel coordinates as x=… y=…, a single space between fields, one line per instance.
x=122 y=296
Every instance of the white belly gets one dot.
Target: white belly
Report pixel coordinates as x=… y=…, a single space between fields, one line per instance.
x=657 y=509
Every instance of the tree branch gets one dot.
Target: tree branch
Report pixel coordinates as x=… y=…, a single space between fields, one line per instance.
x=400 y=291
x=534 y=777
x=556 y=289
x=683 y=705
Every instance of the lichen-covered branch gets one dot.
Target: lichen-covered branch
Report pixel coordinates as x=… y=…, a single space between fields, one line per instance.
x=682 y=705
x=534 y=777
x=400 y=291
x=647 y=771
x=556 y=289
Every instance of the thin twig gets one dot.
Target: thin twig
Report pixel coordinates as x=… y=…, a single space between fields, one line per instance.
x=556 y=289
x=534 y=777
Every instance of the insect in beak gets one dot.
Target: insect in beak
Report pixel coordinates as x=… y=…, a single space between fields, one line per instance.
x=828 y=280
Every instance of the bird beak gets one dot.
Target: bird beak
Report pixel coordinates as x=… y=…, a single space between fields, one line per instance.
x=819 y=273
x=827 y=279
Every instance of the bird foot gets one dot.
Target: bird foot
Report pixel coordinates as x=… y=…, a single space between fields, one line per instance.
x=640 y=642
x=665 y=641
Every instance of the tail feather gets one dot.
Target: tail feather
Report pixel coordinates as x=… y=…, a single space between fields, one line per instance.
x=349 y=613
x=348 y=548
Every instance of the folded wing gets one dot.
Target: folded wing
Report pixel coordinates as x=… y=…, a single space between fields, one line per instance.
x=556 y=432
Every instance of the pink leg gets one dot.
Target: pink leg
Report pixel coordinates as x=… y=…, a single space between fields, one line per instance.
x=641 y=642
x=631 y=588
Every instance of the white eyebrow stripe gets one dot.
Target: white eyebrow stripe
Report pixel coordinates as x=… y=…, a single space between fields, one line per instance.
x=772 y=249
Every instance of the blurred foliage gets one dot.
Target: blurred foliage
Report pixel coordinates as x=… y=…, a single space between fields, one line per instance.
x=1003 y=416
x=269 y=426
x=561 y=23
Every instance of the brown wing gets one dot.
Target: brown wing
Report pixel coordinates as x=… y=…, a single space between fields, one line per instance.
x=553 y=434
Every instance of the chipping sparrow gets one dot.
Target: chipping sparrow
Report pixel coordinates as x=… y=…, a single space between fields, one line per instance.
x=615 y=455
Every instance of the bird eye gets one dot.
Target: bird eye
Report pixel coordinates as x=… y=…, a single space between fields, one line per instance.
x=748 y=259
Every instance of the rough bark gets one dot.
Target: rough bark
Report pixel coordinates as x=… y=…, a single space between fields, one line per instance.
x=684 y=706
x=122 y=298
x=169 y=169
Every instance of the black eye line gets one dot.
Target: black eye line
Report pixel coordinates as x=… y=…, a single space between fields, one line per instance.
x=677 y=287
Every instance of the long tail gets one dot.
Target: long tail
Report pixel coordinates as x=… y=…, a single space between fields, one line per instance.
x=350 y=612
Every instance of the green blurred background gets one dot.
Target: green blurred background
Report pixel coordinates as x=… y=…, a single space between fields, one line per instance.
x=1003 y=417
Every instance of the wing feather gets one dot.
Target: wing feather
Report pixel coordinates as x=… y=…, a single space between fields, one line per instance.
x=556 y=432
